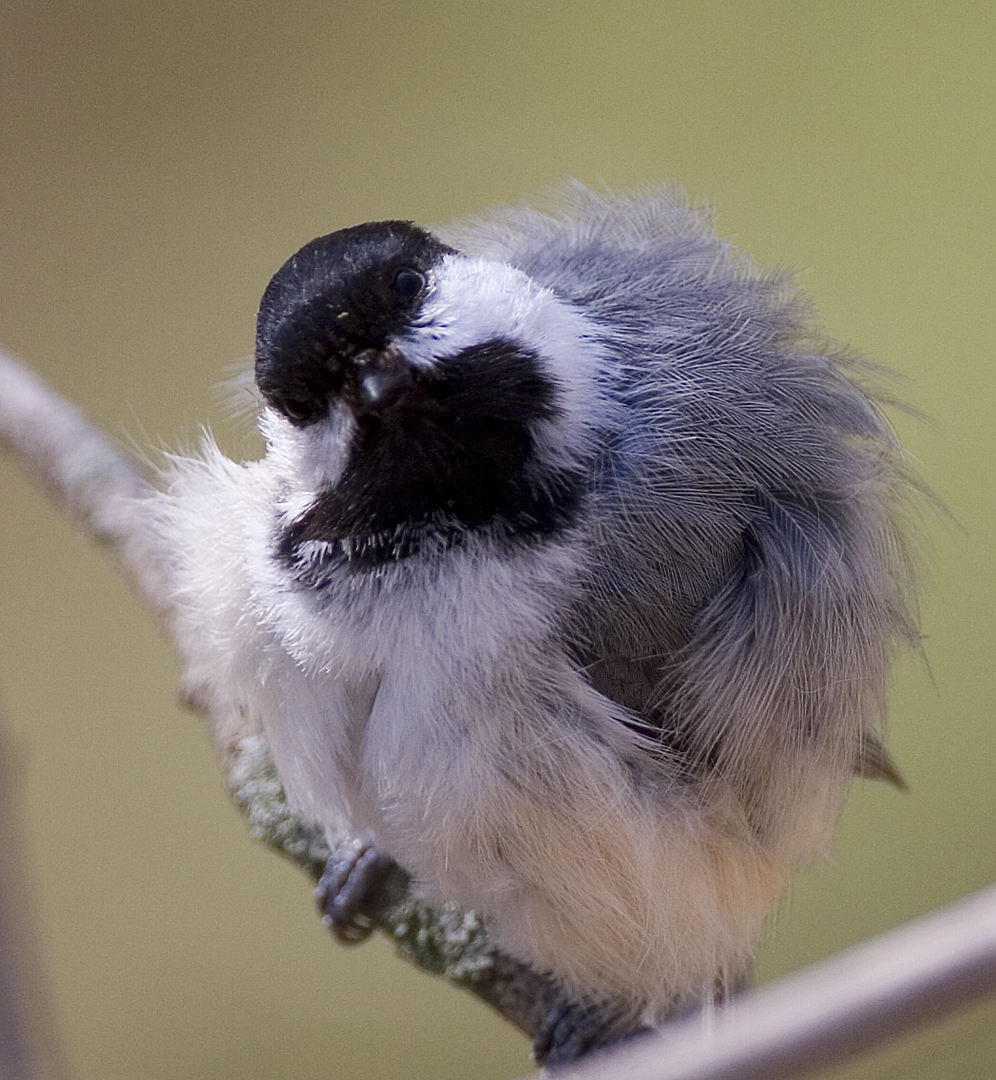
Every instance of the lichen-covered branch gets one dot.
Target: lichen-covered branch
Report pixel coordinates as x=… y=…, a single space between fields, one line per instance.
x=440 y=939
x=97 y=484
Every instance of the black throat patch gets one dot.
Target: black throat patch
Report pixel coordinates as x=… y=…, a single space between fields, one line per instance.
x=454 y=459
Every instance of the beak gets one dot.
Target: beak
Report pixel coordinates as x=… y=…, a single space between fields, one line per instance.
x=383 y=377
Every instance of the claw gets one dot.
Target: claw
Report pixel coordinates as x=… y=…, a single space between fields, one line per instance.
x=354 y=871
x=571 y=1030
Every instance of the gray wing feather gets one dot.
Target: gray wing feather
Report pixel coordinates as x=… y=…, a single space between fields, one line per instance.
x=747 y=579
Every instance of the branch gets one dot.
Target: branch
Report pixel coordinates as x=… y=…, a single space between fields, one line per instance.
x=86 y=474
x=832 y=1012
x=98 y=485
x=439 y=939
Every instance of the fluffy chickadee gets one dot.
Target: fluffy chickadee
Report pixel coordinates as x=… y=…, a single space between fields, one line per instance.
x=569 y=579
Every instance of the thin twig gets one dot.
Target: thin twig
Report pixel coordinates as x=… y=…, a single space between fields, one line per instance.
x=829 y=1013
x=86 y=474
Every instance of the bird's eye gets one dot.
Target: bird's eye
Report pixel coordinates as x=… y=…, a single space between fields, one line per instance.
x=298 y=410
x=408 y=284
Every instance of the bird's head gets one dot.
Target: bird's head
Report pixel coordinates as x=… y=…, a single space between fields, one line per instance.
x=413 y=392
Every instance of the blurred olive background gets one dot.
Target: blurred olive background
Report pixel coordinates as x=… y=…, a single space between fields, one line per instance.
x=159 y=161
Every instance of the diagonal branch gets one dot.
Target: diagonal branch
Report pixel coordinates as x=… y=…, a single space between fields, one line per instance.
x=85 y=473
x=827 y=1014
x=102 y=488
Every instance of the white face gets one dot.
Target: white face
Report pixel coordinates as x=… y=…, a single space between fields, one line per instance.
x=471 y=301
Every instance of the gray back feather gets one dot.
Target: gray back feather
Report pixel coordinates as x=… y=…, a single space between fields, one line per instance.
x=748 y=580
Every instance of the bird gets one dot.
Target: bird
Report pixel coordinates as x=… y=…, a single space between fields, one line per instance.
x=569 y=580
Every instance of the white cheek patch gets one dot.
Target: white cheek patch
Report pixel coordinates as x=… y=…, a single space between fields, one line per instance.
x=474 y=301
x=310 y=459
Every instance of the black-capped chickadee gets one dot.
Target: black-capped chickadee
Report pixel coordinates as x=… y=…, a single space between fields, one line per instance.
x=569 y=579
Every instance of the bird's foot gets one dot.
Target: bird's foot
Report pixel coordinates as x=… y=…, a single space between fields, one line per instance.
x=352 y=875
x=570 y=1030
